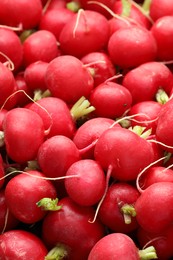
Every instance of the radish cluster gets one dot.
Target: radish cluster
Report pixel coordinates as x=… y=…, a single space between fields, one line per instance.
x=86 y=129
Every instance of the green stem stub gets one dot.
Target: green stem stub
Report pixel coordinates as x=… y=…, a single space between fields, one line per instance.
x=161 y=96
x=49 y=204
x=128 y=212
x=57 y=253
x=148 y=253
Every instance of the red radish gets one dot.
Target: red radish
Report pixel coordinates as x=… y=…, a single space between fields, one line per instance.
x=3 y=112
x=76 y=235
x=88 y=133
x=55 y=115
x=56 y=155
x=116 y=24
x=160 y=8
x=2 y=172
x=164 y=126
x=162 y=31
x=9 y=38
x=146 y=80
x=90 y=182
x=119 y=246
x=155 y=174
x=23 y=133
x=110 y=100
x=14 y=13
x=117 y=210
x=30 y=188
x=121 y=151
x=32 y=51
x=22 y=90
x=7 y=219
x=129 y=10
x=63 y=81
x=140 y=43
x=101 y=65
x=54 y=20
x=97 y=7
x=34 y=75
x=147 y=113
x=162 y=242
x=21 y=245
x=7 y=86
x=157 y=196
x=54 y=4
x=87 y=31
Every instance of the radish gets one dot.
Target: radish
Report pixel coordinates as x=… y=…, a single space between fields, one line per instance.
x=87 y=31
x=7 y=220
x=117 y=210
x=2 y=172
x=164 y=124
x=162 y=31
x=90 y=181
x=34 y=75
x=121 y=152
x=9 y=38
x=30 y=188
x=88 y=133
x=56 y=155
x=21 y=245
x=55 y=115
x=160 y=8
x=100 y=65
x=147 y=113
x=14 y=13
x=155 y=174
x=32 y=51
x=76 y=235
x=157 y=196
x=162 y=242
x=138 y=40
x=63 y=81
x=54 y=20
x=146 y=80
x=119 y=246
x=23 y=133
x=110 y=100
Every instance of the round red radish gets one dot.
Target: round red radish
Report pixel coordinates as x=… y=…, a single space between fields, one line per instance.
x=101 y=66
x=76 y=235
x=132 y=46
x=56 y=116
x=162 y=31
x=24 y=133
x=30 y=188
x=110 y=100
x=160 y=8
x=87 y=31
x=90 y=182
x=122 y=152
x=88 y=133
x=7 y=220
x=117 y=209
x=16 y=13
x=40 y=46
x=56 y=155
x=155 y=206
x=54 y=20
x=116 y=245
x=34 y=75
x=21 y=245
x=9 y=38
x=67 y=78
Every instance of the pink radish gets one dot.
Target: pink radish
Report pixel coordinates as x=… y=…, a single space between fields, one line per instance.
x=90 y=181
x=32 y=51
x=63 y=81
x=138 y=40
x=23 y=133
x=87 y=31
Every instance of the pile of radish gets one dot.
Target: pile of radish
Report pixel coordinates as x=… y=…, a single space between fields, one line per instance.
x=86 y=129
